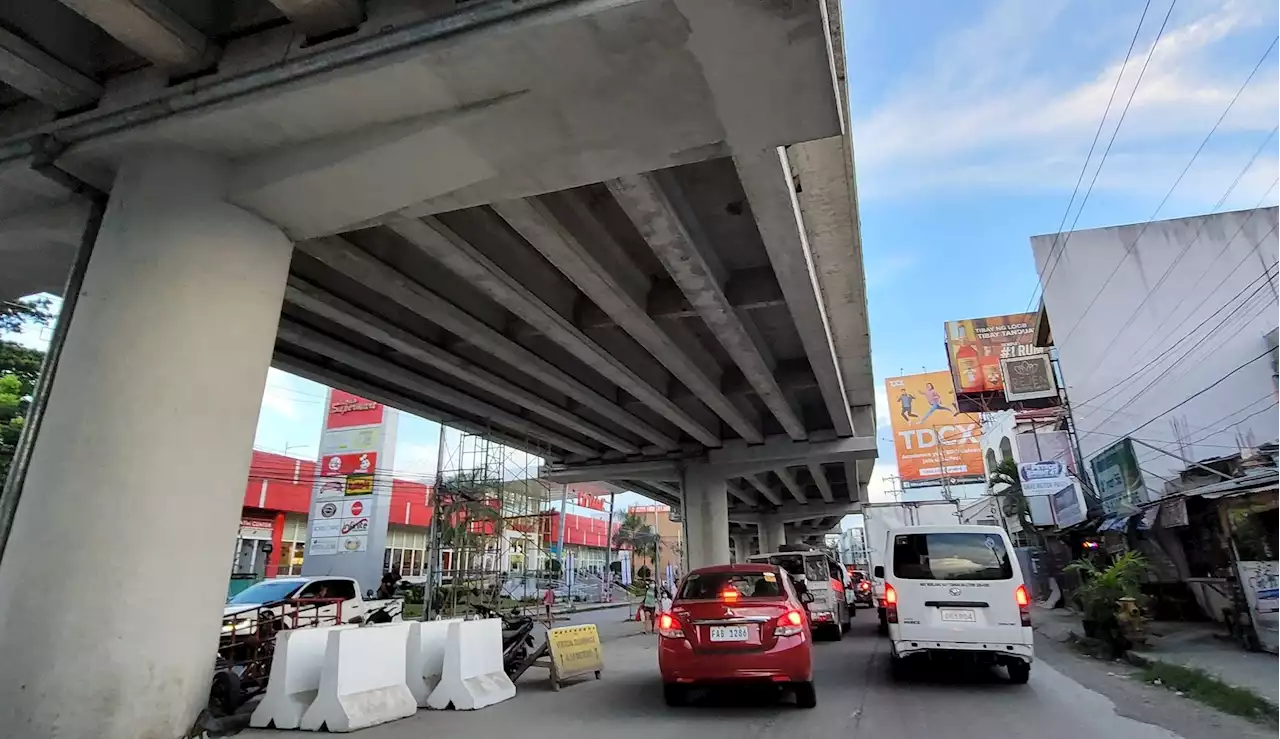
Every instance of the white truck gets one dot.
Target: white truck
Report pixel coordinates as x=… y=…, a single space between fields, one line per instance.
x=304 y=601
x=881 y=518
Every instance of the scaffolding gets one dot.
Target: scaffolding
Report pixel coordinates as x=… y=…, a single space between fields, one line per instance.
x=491 y=527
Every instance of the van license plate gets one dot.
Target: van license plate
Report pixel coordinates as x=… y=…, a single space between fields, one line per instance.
x=728 y=633
x=962 y=615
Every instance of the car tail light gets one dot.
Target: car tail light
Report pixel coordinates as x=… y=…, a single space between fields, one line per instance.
x=669 y=627
x=729 y=595
x=864 y=585
x=789 y=624
x=890 y=604
x=1024 y=604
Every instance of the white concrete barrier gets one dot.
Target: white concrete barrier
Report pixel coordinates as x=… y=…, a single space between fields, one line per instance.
x=473 y=676
x=425 y=658
x=294 y=678
x=362 y=683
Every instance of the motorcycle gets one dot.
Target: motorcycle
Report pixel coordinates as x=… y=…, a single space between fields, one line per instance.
x=517 y=638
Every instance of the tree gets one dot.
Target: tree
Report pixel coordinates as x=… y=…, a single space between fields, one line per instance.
x=15 y=315
x=19 y=370
x=1014 y=501
x=637 y=534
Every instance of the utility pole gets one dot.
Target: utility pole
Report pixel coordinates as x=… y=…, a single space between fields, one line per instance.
x=564 y=502
x=434 y=559
x=608 y=552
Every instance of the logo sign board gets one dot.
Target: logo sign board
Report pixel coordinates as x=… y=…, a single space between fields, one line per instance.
x=1067 y=510
x=1119 y=481
x=355 y=544
x=976 y=347
x=345 y=441
x=319 y=547
x=337 y=465
x=347 y=410
x=1043 y=478
x=326 y=527
x=359 y=485
x=355 y=526
x=1029 y=378
x=932 y=440
x=330 y=489
x=328 y=510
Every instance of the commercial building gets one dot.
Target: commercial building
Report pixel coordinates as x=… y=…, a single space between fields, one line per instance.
x=670 y=536
x=1162 y=334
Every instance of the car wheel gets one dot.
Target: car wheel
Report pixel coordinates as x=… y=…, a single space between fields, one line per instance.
x=806 y=695
x=673 y=694
x=1019 y=672
x=836 y=631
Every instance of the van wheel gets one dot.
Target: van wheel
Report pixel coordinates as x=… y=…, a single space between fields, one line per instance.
x=835 y=632
x=1019 y=672
x=673 y=694
x=806 y=695
x=898 y=669
x=883 y=628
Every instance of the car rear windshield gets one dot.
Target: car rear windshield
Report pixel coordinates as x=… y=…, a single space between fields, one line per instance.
x=710 y=585
x=958 y=556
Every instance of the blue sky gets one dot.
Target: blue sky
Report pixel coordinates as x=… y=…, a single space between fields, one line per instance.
x=971 y=121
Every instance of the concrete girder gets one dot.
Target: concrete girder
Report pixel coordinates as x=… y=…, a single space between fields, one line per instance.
x=35 y=73
x=767 y=181
x=344 y=257
x=792 y=512
x=660 y=213
x=820 y=479
x=151 y=29
x=299 y=335
x=549 y=235
x=789 y=482
x=434 y=239
x=327 y=376
x=736 y=491
x=852 y=481
x=749 y=289
x=657 y=470
x=740 y=460
x=320 y=17
x=317 y=301
x=763 y=487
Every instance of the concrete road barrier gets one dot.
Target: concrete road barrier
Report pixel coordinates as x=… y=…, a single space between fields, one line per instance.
x=425 y=658
x=294 y=678
x=363 y=680
x=473 y=676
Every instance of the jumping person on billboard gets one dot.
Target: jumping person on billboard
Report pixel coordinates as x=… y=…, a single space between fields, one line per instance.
x=935 y=402
x=906 y=399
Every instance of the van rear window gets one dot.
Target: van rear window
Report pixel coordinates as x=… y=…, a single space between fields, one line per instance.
x=958 y=556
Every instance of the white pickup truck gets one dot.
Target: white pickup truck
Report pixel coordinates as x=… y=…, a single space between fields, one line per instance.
x=302 y=602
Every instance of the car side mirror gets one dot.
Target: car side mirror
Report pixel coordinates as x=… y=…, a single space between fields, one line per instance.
x=368 y=594
x=878 y=572
x=806 y=597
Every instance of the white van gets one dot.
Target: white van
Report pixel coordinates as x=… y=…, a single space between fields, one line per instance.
x=957 y=591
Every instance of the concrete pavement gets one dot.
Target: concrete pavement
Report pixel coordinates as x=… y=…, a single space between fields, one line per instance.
x=1068 y=697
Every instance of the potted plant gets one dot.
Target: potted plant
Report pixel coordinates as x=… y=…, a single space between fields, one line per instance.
x=1100 y=593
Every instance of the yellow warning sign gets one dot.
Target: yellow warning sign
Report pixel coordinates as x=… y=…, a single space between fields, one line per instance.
x=575 y=650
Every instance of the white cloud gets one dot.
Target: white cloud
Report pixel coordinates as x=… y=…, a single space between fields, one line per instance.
x=982 y=115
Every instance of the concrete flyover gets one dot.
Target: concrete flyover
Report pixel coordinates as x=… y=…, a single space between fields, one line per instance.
x=618 y=234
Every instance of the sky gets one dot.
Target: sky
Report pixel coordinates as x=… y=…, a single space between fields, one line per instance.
x=972 y=121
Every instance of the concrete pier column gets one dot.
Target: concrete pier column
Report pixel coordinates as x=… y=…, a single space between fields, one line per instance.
x=741 y=547
x=773 y=534
x=112 y=585
x=706 y=517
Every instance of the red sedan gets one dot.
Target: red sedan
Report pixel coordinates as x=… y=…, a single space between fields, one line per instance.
x=732 y=624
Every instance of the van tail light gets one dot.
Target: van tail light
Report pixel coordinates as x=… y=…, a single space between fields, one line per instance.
x=1024 y=604
x=790 y=623
x=669 y=627
x=890 y=604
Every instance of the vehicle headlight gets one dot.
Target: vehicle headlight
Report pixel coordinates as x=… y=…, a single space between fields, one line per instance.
x=243 y=625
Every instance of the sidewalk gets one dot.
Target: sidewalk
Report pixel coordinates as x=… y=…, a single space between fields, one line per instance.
x=1196 y=645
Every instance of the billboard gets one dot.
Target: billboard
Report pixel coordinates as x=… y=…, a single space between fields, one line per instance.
x=931 y=438
x=975 y=348
x=1118 y=478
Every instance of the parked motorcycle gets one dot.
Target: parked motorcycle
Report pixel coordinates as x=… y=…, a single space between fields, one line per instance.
x=517 y=638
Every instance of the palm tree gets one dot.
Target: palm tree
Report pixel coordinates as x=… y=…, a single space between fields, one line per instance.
x=637 y=534
x=1014 y=502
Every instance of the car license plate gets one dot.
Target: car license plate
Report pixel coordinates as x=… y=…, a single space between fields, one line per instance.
x=728 y=633
x=962 y=615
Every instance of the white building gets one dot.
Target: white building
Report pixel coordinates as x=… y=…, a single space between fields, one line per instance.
x=1161 y=331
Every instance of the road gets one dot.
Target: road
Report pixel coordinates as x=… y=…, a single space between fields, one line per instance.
x=856 y=698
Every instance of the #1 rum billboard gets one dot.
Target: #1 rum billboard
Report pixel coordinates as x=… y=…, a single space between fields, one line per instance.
x=975 y=348
x=933 y=441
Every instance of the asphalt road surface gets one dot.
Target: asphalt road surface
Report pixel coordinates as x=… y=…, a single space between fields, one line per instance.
x=1068 y=697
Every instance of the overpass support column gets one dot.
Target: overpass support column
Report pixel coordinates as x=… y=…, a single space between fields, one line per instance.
x=741 y=548
x=706 y=516
x=140 y=462
x=773 y=534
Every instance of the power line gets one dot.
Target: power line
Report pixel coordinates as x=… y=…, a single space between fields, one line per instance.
x=1085 y=167
x=1198 y=393
x=1115 y=133
x=1133 y=245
